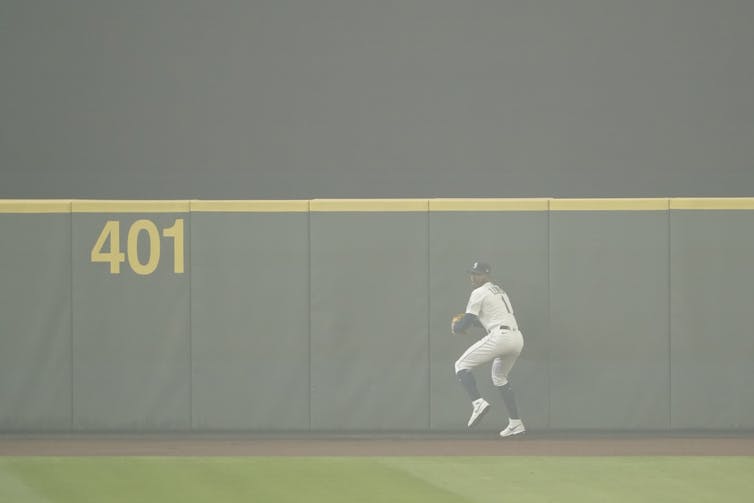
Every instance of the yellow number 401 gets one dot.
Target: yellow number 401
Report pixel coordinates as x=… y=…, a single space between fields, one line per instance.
x=113 y=256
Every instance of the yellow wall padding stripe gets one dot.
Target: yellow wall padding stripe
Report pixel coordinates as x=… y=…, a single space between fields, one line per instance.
x=260 y=206
x=603 y=204
x=361 y=205
x=374 y=205
x=712 y=203
x=106 y=206
x=481 y=204
x=35 y=205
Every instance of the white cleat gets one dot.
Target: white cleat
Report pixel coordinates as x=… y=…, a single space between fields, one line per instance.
x=481 y=406
x=515 y=427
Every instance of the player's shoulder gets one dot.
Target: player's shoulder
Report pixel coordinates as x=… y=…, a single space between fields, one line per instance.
x=490 y=288
x=484 y=289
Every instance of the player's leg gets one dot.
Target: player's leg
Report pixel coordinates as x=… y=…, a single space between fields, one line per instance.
x=501 y=368
x=478 y=353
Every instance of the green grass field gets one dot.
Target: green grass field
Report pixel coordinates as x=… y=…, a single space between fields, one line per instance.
x=373 y=479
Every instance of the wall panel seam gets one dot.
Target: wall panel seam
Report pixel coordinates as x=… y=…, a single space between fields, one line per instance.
x=71 y=338
x=549 y=320
x=190 y=329
x=670 y=325
x=429 y=326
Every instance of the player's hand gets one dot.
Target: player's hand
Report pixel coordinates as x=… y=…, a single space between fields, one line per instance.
x=453 y=322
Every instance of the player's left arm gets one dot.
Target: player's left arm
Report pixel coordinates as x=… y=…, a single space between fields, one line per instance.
x=463 y=323
x=471 y=317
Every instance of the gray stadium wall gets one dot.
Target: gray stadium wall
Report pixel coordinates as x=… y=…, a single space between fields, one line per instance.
x=294 y=99
x=332 y=315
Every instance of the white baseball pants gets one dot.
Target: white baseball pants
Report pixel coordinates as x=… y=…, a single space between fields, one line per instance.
x=502 y=347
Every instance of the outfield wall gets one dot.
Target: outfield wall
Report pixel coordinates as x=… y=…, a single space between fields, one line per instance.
x=332 y=315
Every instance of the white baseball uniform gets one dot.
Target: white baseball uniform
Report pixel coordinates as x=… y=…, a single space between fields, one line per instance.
x=503 y=342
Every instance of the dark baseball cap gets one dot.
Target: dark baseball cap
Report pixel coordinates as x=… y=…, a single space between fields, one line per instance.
x=479 y=268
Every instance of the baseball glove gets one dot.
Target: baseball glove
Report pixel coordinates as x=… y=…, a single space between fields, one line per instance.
x=455 y=320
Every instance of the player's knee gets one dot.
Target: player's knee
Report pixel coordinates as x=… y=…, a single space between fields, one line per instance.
x=500 y=381
x=461 y=365
x=465 y=376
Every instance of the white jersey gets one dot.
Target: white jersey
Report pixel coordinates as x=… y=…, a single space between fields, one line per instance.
x=491 y=305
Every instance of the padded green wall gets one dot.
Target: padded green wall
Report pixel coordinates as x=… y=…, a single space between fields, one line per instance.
x=131 y=353
x=250 y=321
x=35 y=322
x=333 y=315
x=609 y=318
x=515 y=243
x=712 y=339
x=369 y=314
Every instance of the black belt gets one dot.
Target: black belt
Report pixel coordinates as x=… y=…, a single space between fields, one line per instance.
x=503 y=327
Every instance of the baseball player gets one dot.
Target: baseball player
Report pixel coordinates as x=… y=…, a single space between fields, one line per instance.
x=490 y=308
